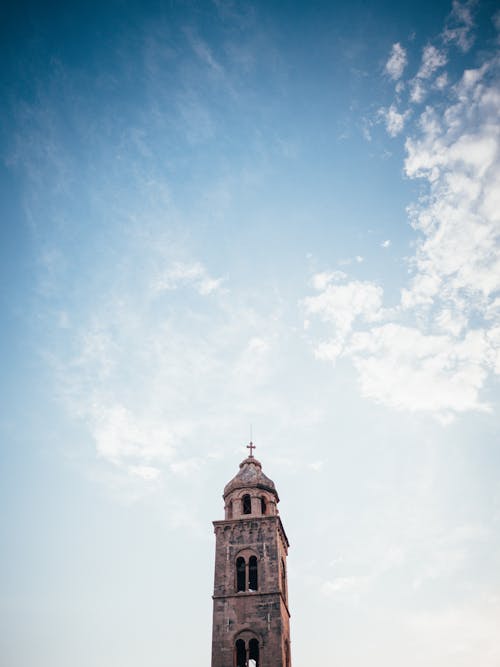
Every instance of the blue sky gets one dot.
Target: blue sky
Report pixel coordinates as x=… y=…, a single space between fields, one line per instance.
x=272 y=213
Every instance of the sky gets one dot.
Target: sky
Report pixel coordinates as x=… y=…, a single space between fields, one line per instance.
x=229 y=217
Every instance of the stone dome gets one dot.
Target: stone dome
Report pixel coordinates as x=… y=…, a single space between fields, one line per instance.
x=250 y=476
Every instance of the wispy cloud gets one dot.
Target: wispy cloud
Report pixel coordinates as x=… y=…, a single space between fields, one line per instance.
x=460 y=24
x=150 y=369
x=397 y=62
x=204 y=52
x=182 y=273
x=432 y=60
x=394 y=120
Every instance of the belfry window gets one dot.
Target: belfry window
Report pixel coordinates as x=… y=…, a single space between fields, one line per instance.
x=263 y=505
x=247 y=504
x=246 y=656
x=230 y=510
x=253 y=653
x=252 y=574
x=241 y=653
x=241 y=584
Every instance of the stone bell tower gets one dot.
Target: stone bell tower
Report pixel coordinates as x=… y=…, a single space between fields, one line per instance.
x=251 y=620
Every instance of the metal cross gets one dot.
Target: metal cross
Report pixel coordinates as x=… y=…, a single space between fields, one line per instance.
x=251 y=447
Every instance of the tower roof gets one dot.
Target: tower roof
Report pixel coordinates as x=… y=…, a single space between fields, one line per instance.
x=250 y=475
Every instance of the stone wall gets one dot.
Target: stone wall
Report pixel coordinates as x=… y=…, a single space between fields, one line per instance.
x=261 y=614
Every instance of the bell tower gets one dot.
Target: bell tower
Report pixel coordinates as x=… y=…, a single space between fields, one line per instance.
x=251 y=619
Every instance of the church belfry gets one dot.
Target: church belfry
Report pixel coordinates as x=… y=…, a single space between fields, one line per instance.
x=251 y=620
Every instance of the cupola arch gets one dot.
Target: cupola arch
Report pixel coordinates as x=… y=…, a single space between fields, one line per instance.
x=250 y=501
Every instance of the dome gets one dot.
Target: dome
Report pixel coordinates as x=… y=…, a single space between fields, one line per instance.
x=250 y=476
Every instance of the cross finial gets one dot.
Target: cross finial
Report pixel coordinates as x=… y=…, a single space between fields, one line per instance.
x=251 y=447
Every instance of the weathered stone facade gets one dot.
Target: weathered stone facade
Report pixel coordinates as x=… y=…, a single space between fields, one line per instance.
x=251 y=625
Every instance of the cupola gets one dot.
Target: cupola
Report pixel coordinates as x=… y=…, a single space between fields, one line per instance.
x=250 y=492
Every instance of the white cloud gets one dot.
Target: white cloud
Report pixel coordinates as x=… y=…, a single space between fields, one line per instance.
x=441 y=81
x=329 y=350
x=346 y=262
x=187 y=273
x=404 y=368
x=397 y=62
x=386 y=243
x=343 y=304
x=459 y=25
x=417 y=91
x=432 y=59
x=436 y=350
x=458 y=156
x=394 y=120
x=320 y=280
x=451 y=322
x=122 y=436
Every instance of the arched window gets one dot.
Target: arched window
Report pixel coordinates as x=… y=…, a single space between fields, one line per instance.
x=241 y=584
x=283 y=578
x=253 y=653
x=247 y=504
x=263 y=505
x=246 y=656
x=240 y=653
x=230 y=510
x=252 y=574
